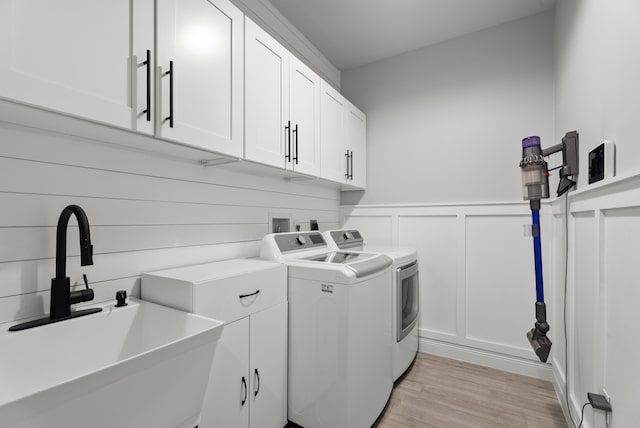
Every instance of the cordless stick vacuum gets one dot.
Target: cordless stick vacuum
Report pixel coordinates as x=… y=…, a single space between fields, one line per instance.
x=535 y=186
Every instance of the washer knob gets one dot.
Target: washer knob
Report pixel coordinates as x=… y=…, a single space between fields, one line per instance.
x=348 y=235
x=301 y=240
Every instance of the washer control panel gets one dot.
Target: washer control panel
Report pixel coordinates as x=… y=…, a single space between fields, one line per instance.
x=299 y=241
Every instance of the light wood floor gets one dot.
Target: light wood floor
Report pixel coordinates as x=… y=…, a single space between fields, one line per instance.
x=440 y=392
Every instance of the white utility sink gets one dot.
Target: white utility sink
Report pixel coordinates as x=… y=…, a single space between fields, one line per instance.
x=141 y=365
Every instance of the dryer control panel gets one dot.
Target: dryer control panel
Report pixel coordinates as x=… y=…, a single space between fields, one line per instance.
x=347 y=238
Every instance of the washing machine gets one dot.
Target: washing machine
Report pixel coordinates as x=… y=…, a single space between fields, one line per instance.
x=404 y=286
x=339 y=324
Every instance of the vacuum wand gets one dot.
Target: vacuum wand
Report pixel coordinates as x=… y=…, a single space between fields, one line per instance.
x=535 y=186
x=537 y=336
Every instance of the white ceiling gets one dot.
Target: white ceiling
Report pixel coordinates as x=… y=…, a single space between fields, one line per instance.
x=351 y=33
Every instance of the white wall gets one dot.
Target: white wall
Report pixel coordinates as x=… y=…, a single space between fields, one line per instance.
x=146 y=213
x=445 y=122
x=598 y=93
x=597 y=69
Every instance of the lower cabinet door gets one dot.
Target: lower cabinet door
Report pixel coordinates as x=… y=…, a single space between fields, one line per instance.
x=268 y=368
x=227 y=400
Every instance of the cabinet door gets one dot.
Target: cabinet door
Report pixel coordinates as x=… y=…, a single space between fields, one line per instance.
x=333 y=162
x=72 y=56
x=304 y=112
x=267 y=134
x=356 y=142
x=268 y=366
x=223 y=403
x=199 y=58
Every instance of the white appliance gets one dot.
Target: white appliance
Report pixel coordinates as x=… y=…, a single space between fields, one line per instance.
x=247 y=386
x=404 y=296
x=339 y=324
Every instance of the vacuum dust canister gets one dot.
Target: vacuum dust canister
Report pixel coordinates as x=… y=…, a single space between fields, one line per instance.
x=535 y=177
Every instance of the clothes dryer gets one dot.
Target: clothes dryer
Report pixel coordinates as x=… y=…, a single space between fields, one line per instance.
x=339 y=324
x=404 y=294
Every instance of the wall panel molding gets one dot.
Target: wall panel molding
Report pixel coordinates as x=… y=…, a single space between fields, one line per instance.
x=604 y=250
x=456 y=243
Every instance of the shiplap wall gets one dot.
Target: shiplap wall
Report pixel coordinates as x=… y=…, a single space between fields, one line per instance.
x=477 y=281
x=146 y=213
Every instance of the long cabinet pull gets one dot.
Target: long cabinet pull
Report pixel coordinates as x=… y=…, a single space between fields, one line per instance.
x=171 y=73
x=257 y=377
x=242 y=296
x=147 y=63
x=351 y=166
x=244 y=386
x=346 y=156
x=287 y=129
x=295 y=133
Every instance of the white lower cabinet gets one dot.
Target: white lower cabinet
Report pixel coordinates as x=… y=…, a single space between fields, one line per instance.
x=248 y=379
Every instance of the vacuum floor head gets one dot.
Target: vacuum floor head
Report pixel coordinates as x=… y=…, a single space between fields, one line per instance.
x=540 y=343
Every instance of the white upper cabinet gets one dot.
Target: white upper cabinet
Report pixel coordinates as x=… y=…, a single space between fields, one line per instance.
x=304 y=113
x=343 y=140
x=72 y=56
x=356 y=145
x=97 y=60
x=334 y=157
x=282 y=99
x=266 y=97
x=199 y=73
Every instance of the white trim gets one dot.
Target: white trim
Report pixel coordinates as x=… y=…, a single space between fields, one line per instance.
x=485 y=358
x=558 y=382
x=439 y=204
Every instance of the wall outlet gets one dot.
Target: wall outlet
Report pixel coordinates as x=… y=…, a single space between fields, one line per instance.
x=602 y=162
x=599 y=401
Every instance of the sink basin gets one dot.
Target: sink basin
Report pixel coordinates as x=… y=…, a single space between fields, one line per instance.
x=141 y=365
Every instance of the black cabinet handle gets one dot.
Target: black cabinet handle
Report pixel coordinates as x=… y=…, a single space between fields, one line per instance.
x=295 y=133
x=171 y=74
x=351 y=166
x=242 y=296
x=257 y=377
x=244 y=385
x=346 y=156
x=287 y=154
x=147 y=111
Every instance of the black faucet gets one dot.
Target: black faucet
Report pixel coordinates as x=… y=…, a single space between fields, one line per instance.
x=61 y=295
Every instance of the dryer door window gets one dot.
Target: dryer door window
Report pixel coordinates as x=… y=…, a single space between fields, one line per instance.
x=406 y=299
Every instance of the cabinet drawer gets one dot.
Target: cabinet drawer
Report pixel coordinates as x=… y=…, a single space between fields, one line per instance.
x=235 y=297
x=226 y=290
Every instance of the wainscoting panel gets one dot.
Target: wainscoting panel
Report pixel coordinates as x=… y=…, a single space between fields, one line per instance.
x=437 y=243
x=622 y=313
x=602 y=300
x=500 y=293
x=583 y=297
x=477 y=283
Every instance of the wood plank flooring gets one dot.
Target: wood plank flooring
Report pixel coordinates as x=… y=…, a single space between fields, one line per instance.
x=445 y=393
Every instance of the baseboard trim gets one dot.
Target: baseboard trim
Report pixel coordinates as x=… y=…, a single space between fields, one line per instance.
x=485 y=358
